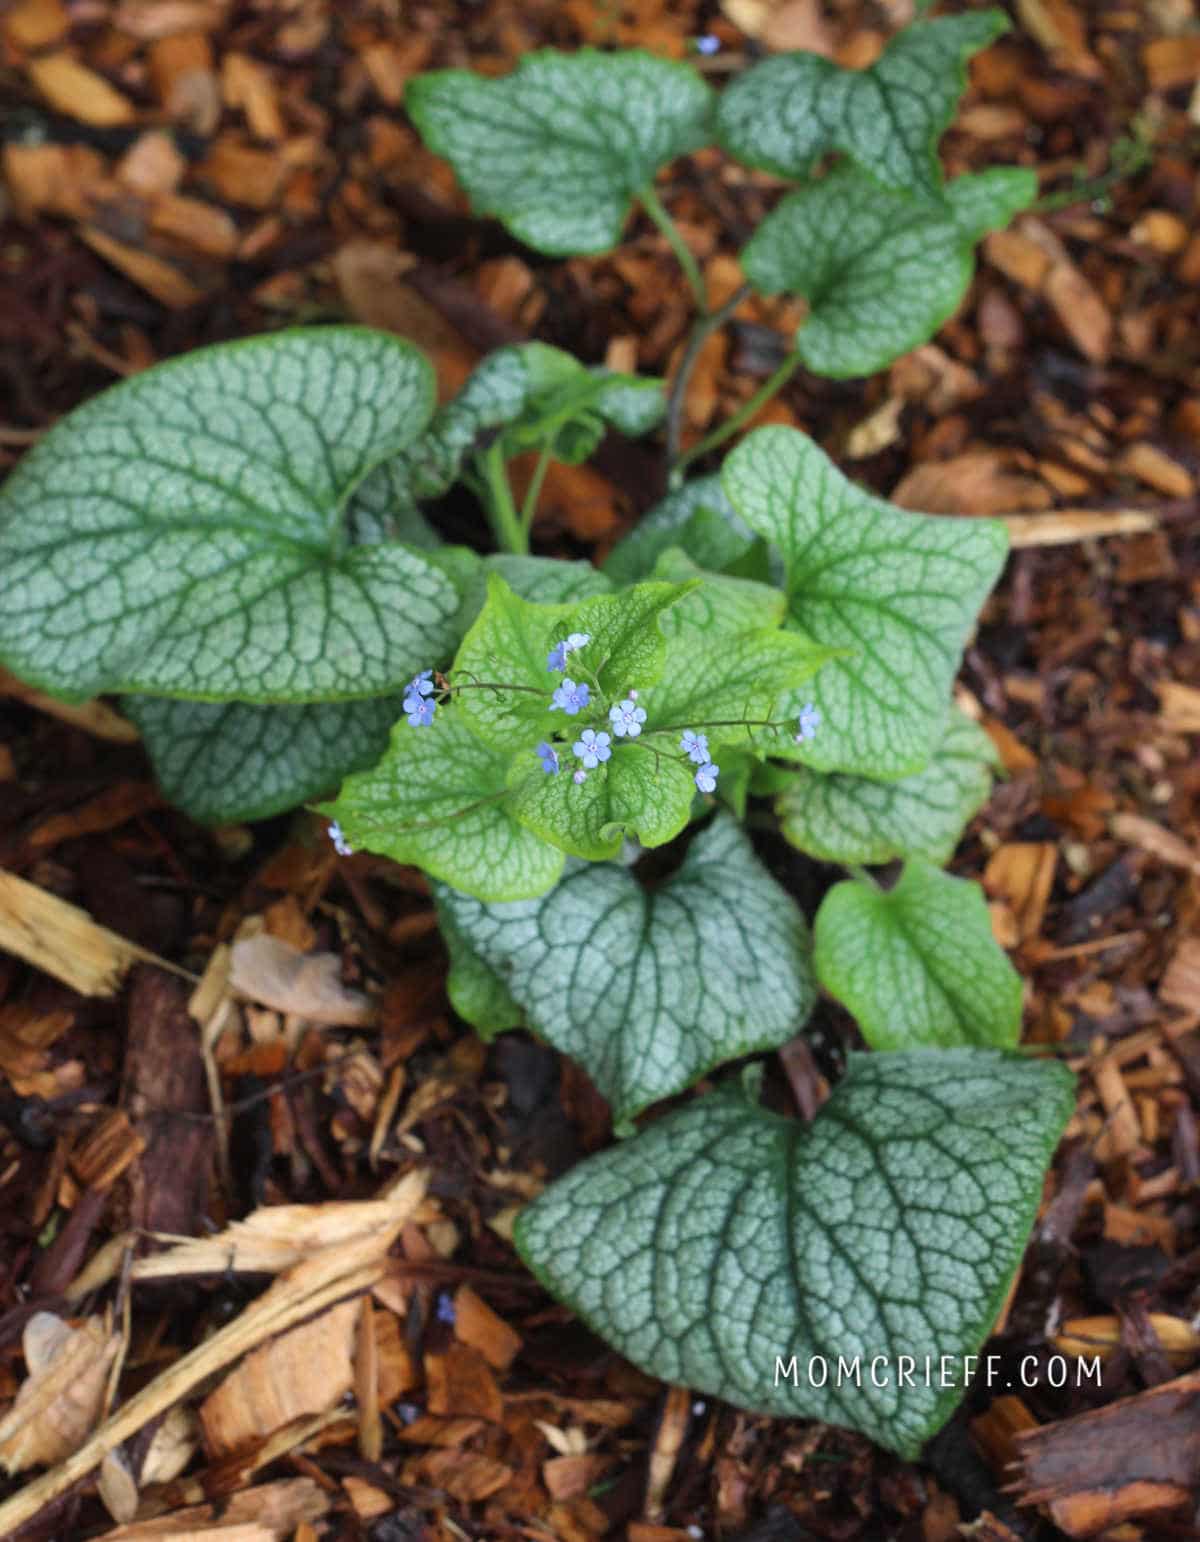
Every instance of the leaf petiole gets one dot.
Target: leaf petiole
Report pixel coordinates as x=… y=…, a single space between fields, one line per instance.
x=769 y=388
x=534 y=491
x=654 y=207
x=510 y=532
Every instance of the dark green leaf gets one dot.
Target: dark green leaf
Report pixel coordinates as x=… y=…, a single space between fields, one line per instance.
x=559 y=149
x=649 y=990
x=723 y=1237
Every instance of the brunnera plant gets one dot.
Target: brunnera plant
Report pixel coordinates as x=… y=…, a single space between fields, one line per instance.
x=237 y=543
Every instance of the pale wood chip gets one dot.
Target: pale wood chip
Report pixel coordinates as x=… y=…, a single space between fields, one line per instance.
x=71 y=88
x=64 y=941
x=1153 y=839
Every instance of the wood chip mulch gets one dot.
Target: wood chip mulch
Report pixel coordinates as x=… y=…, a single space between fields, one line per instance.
x=227 y=1030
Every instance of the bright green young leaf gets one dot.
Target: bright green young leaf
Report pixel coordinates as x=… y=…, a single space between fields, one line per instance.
x=650 y=990
x=901 y=590
x=724 y=1236
x=226 y=761
x=541 y=580
x=881 y=271
x=730 y=685
x=719 y=604
x=559 y=149
x=184 y=532
x=635 y=795
x=476 y=991
x=696 y=517
x=918 y=965
x=786 y=112
x=841 y=818
x=509 y=645
x=439 y=800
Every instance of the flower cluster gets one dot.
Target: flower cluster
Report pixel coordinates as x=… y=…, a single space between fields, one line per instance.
x=340 y=844
x=593 y=747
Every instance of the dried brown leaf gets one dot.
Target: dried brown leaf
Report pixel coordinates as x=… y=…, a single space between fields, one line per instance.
x=270 y=971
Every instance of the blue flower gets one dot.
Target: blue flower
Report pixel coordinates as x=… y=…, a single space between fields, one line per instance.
x=417 y=704
x=446 y=1311
x=694 y=746
x=549 y=757
x=807 y=723
x=570 y=698
x=592 y=747
x=558 y=655
x=579 y=778
x=706 y=778
x=340 y=844
x=420 y=713
x=627 y=718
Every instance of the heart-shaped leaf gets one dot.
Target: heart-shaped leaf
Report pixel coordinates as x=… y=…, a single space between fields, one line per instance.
x=559 y=149
x=881 y=271
x=226 y=761
x=918 y=965
x=723 y=1238
x=900 y=590
x=649 y=990
x=183 y=533
x=841 y=818
x=786 y=112
x=439 y=799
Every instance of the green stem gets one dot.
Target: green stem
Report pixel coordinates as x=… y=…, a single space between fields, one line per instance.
x=691 y=268
x=506 y=522
x=744 y=413
x=717 y=722
x=704 y=328
x=534 y=491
